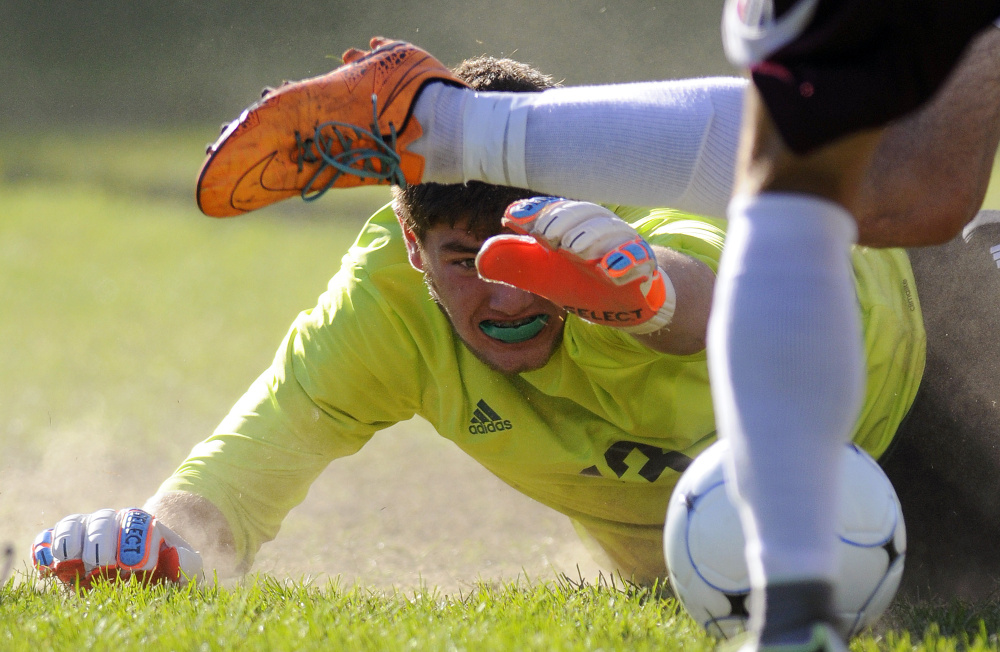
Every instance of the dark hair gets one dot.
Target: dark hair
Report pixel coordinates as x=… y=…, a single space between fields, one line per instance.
x=426 y=205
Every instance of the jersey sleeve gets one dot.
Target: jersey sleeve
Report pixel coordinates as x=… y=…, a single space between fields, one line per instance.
x=894 y=336
x=699 y=237
x=895 y=343
x=344 y=371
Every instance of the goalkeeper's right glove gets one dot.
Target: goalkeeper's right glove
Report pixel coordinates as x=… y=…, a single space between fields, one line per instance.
x=584 y=258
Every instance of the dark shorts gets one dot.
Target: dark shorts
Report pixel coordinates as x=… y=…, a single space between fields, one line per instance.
x=862 y=63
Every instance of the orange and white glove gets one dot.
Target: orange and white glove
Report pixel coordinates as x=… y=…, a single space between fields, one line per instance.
x=584 y=258
x=114 y=544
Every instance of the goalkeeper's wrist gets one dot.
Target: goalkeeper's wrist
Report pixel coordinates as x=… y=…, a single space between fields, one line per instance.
x=665 y=313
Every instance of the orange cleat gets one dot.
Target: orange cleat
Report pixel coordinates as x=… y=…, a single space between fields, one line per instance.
x=347 y=128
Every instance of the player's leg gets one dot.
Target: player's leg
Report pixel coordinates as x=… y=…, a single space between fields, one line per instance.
x=786 y=361
x=787 y=378
x=944 y=180
x=397 y=115
x=944 y=461
x=672 y=143
x=669 y=143
x=787 y=368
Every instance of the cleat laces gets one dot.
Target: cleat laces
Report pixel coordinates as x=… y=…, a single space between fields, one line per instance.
x=358 y=151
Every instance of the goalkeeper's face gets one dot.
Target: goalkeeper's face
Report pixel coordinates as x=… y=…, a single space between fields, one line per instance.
x=509 y=329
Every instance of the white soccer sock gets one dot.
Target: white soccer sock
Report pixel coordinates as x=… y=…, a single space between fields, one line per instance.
x=669 y=143
x=785 y=359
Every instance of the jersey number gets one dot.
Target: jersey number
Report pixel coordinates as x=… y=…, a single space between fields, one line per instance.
x=657 y=459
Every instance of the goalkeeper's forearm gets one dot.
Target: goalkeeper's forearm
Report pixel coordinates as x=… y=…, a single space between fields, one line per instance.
x=693 y=282
x=201 y=524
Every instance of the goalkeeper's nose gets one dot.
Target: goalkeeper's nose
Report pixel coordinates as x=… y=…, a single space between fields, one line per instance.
x=509 y=300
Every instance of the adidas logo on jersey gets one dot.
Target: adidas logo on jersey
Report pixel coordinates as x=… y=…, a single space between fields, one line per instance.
x=485 y=419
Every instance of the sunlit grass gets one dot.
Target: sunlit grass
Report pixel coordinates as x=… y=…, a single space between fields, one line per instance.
x=140 y=164
x=117 y=292
x=262 y=613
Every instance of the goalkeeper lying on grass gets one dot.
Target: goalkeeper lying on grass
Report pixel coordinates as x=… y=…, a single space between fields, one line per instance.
x=580 y=378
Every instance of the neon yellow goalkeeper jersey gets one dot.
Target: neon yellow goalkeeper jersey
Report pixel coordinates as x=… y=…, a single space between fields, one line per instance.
x=600 y=433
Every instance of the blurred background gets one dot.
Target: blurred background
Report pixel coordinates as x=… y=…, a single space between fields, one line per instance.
x=141 y=62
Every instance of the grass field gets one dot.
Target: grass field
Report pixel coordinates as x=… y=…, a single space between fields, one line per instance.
x=130 y=323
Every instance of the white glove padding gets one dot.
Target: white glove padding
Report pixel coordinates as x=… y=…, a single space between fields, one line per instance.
x=584 y=258
x=110 y=544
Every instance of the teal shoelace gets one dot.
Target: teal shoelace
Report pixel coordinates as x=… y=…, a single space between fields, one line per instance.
x=346 y=139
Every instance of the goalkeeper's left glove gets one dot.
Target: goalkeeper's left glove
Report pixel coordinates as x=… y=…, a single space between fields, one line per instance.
x=584 y=258
x=114 y=544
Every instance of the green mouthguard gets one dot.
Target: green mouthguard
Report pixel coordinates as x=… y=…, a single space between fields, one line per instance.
x=522 y=332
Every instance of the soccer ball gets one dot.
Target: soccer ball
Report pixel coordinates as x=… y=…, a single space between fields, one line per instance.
x=703 y=542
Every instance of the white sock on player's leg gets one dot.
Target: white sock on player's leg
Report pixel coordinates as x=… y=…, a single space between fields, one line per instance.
x=667 y=143
x=786 y=361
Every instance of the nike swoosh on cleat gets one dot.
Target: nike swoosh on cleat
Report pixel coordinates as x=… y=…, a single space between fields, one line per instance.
x=251 y=185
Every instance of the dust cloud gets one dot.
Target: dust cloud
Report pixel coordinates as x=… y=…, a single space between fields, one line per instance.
x=410 y=511
x=127 y=64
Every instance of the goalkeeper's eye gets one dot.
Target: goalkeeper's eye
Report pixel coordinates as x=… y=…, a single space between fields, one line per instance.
x=465 y=263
